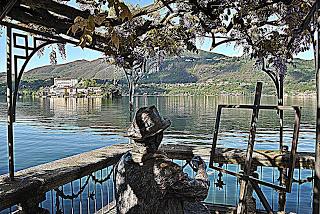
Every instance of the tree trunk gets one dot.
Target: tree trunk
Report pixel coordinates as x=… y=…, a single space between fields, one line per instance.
x=131 y=95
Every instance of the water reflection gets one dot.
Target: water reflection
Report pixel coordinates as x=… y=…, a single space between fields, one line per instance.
x=68 y=106
x=49 y=129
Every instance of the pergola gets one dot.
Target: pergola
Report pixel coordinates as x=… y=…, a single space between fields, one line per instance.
x=48 y=21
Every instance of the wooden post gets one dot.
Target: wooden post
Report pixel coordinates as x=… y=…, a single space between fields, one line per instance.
x=251 y=206
x=261 y=196
x=10 y=110
x=215 y=134
x=316 y=187
x=247 y=166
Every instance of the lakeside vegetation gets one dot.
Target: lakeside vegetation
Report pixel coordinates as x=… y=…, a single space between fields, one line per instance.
x=204 y=73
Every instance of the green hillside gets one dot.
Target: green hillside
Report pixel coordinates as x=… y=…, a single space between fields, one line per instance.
x=216 y=74
x=80 y=69
x=190 y=73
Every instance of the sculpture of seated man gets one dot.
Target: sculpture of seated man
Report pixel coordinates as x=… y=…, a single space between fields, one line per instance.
x=148 y=182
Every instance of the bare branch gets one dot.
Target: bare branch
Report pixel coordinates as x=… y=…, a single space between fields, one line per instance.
x=225 y=41
x=167 y=6
x=152 y=8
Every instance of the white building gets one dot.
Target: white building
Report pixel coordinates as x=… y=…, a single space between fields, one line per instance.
x=95 y=90
x=65 y=82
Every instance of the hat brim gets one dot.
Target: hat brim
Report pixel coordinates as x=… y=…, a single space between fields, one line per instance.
x=166 y=123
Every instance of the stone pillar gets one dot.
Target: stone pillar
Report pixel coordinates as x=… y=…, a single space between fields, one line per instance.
x=31 y=206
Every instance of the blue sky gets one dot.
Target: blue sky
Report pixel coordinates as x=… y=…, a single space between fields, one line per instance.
x=76 y=53
x=231 y=50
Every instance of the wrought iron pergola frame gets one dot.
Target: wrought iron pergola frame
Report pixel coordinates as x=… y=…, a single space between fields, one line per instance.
x=14 y=75
x=40 y=39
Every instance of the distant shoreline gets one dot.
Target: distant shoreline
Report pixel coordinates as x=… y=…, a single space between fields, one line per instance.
x=176 y=95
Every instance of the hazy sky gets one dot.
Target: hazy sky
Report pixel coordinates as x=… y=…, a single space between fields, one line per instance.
x=76 y=53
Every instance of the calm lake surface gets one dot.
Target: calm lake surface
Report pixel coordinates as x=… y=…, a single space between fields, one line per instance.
x=53 y=128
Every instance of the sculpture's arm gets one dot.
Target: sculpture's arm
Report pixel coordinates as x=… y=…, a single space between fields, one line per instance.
x=179 y=184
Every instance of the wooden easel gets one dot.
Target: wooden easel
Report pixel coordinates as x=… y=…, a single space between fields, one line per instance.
x=246 y=177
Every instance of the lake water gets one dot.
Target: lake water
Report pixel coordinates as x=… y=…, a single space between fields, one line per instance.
x=50 y=129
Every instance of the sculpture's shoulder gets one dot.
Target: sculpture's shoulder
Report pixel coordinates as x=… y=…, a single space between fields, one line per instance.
x=167 y=172
x=156 y=166
x=126 y=159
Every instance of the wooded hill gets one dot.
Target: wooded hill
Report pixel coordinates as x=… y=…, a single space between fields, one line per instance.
x=210 y=73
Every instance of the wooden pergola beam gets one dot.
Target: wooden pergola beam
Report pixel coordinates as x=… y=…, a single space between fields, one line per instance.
x=7 y=8
x=40 y=17
x=61 y=9
x=46 y=33
x=40 y=21
x=54 y=18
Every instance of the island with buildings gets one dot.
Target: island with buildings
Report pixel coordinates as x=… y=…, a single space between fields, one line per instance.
x=67 y=87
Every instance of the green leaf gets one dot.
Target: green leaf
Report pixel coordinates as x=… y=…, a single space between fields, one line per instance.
x=124 y=12
x=85 y=39
x=78 y=19
x=91 y=25
x=112 y=12
x=82 y=42
x=88 y=39
x=115 y=39
x=74 y=29
x=79 y=24
x=99 y=19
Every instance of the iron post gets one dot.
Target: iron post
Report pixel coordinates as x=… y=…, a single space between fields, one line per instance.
x=316 y=187
x=282 y=194
x=9 y=103
x=13 y=83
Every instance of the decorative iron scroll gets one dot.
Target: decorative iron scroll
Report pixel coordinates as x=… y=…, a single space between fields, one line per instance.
x=91 y=195
x=14 y=75
x=29 y=51
x=61 y=194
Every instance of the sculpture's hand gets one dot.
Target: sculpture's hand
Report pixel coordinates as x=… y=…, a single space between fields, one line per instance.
x=197 y=163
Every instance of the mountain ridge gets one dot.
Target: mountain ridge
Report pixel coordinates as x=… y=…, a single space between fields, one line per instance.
x=203 y=67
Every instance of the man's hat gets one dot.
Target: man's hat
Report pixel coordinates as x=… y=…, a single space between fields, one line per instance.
x=147 y=123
